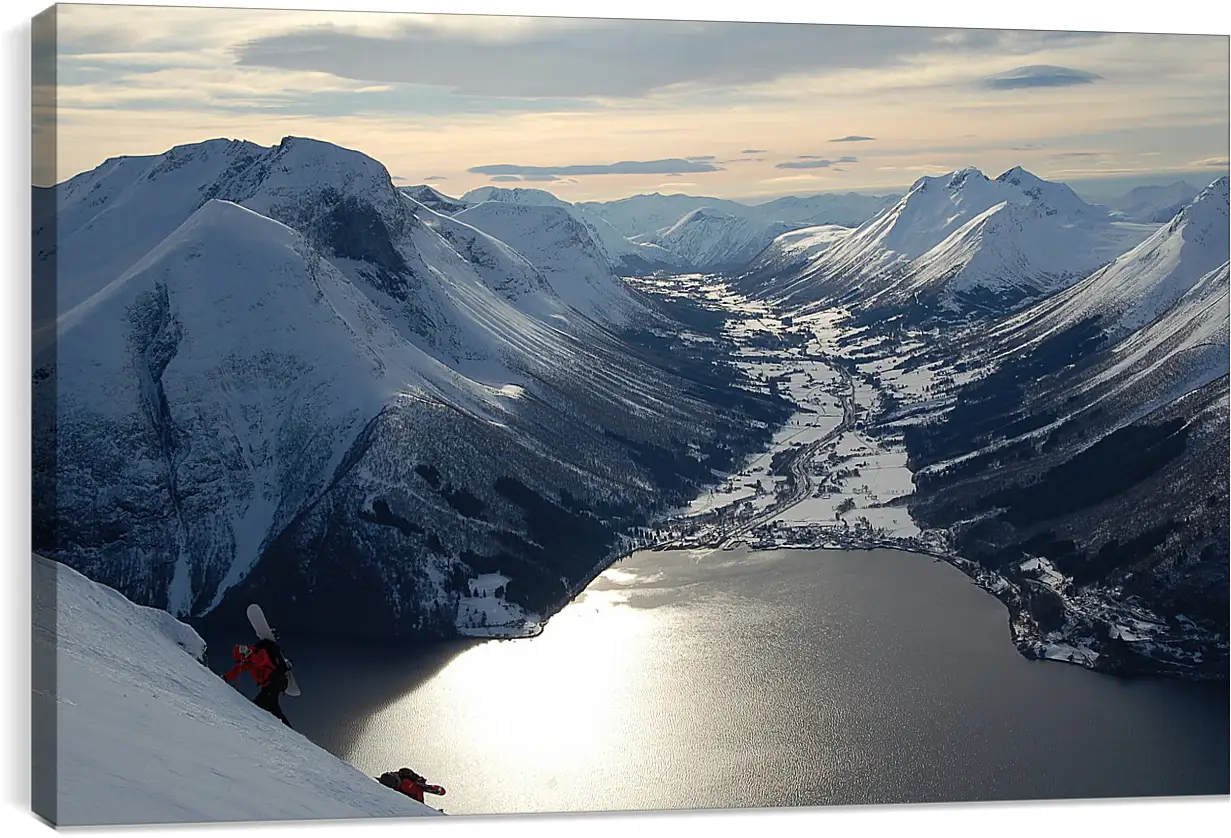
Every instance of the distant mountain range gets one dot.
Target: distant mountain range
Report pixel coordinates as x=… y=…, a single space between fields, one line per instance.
x=656 y=232
x=1154 y=204
x=674 y=233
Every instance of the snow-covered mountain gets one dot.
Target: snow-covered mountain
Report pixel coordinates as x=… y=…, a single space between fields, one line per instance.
x=648 y=233
x=146 y=734
x=434 y=199
x=712 y=240
x=960 y=243
x=564 y=250
x=1096 y=437
x=847 y=209
x=1052 y=198
x=648 y=215
x=278 y=376
x=795 y=250
x=1154 y=204
x=624 y=256
x=1139 y=285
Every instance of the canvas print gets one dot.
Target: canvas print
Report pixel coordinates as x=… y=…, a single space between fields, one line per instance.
x=498 y=415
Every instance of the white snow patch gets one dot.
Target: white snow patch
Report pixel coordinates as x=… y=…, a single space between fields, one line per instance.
x=147 y=734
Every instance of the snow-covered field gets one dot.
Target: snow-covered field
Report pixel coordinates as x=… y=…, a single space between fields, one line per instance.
x=486 y=613
x=865 y=475
x=811 y=384
x=147 y=734
x=854 y=476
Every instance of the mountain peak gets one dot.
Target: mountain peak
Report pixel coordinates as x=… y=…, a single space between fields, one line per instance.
x=1218 y=189
x=703 y=213
x=961 y=176
x=1208 y=210
x=514 y=195
x=1017 y=176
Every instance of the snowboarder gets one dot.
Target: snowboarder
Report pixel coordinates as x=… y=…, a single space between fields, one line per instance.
x=409 y=783
x=264 y=659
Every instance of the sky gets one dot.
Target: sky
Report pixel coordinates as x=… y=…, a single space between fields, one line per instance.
x=600 y=109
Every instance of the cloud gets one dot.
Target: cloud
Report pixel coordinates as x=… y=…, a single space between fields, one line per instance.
x=1038 y=75
x=1213 y=163
x=701 y=158
x=743 y=160
x=824 y=160
x=432 y=178
x=624 y=167
x=853 y=138
x=594 y=58
x=805 y=164
x=1028 y=147
x=752 y=151
x=397 y=178
x=530 y=178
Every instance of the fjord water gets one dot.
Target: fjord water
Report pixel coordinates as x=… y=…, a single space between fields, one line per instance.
x=735 y=678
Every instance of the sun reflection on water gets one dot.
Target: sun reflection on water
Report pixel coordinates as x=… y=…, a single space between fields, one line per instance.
x=558 y=705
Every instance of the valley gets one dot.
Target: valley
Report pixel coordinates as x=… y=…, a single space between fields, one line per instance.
x=837 y=476
x=442 y=416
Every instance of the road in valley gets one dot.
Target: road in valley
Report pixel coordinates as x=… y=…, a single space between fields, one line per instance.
x=798 y=476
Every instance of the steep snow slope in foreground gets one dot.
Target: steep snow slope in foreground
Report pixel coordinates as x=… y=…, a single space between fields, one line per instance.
x=146 y=734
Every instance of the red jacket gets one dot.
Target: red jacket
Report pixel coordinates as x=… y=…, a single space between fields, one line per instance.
x=256 y=661
x=414 y=789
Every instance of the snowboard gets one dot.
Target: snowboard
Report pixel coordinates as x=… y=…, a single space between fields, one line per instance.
x=261 y=626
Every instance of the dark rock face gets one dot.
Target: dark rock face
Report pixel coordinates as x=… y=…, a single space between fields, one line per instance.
x=353 y=229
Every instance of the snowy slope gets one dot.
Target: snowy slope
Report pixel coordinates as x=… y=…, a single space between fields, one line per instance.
x=1178 y=353
x=635 y=233
x=566 y=253
x=848 y=209
x=712 y=240
x=999 y=257
x=797 y=249
x=1103 y=450
x=1155 y=204
x=1141 y=284
x=147 y=734
x=1052 y=198
x=501 y=268
x=305 y=362
x=624 y=256
x=434 y=199
x=962 y=242
x=150 y=196
x=312 y=387
x=648 y=215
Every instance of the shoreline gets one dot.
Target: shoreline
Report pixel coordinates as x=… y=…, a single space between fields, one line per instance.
x=1026 y=637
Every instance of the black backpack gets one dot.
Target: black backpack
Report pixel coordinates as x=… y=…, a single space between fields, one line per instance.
x=282 y=666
